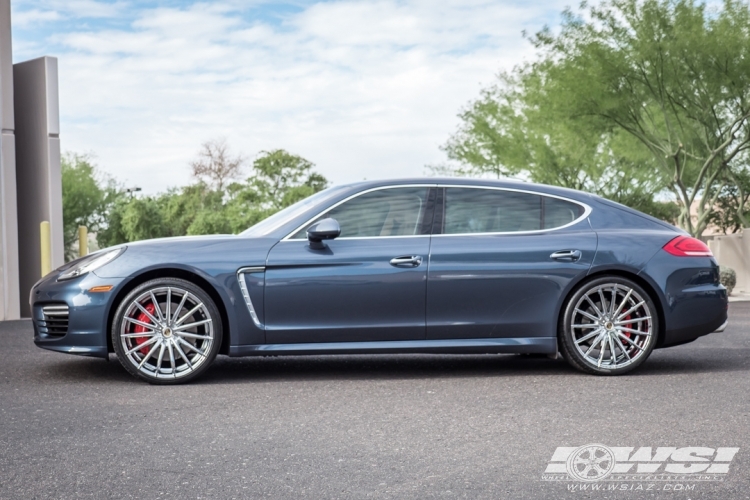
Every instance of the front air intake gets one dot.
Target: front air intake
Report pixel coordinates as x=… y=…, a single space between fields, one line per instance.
x=55 y=320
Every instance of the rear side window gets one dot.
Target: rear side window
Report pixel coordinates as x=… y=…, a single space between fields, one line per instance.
x=471 y=210
x=490 y=211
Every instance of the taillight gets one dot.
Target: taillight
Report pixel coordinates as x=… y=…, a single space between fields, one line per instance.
x=685 y=246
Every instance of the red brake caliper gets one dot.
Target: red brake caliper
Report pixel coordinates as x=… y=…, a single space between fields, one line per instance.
x=627 y=334
x=140 y=329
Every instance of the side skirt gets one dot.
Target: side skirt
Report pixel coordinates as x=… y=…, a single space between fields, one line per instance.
x=527 y=345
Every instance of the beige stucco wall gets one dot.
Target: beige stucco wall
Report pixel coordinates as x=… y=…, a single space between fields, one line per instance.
x=733 y=250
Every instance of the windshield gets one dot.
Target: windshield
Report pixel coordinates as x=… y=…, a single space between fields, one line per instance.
x=280 y=218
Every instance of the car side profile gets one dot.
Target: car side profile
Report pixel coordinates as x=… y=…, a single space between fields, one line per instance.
x=401 y=266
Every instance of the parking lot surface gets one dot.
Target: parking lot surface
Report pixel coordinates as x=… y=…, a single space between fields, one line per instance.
x=401 y=426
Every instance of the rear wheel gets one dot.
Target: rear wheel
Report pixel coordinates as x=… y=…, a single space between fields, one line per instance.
x=166 y=331
x=609 y=326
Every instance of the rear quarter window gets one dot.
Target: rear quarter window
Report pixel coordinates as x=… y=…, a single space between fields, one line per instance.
x=558 y=213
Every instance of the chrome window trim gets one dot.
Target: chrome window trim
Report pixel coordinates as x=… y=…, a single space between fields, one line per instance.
x=288 y=237
x=246 y=293
x=586 y=211
x=352 y=238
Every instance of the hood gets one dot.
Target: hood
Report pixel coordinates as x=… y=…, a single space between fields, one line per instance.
x=211 y=254
x=190 y=240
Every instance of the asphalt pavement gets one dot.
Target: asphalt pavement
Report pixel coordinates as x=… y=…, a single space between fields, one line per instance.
x=388 y=426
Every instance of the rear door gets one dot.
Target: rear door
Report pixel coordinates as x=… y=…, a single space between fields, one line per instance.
x=501 y=260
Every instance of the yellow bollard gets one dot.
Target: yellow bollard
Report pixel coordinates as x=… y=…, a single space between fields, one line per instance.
x=45 y=240
x=83 y=241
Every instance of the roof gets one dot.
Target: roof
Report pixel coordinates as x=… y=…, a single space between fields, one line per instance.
x=471 y=181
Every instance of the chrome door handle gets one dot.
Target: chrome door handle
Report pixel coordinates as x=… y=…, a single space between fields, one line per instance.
x=571 y=255
x=407 y=261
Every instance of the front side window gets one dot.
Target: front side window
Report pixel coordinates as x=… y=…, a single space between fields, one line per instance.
x=280 y=218
x=380 y=213
x=471 y=210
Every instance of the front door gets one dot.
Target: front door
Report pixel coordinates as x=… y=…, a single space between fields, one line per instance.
x=501 y=260
x=369 y=284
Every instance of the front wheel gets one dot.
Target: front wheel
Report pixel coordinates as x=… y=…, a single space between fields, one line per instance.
x=609 y=326
x=166 y=331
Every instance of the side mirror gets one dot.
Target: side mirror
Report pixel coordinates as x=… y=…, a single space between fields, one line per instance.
x=326 y=229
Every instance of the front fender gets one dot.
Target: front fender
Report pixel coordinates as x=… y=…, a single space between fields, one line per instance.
x=211 y=263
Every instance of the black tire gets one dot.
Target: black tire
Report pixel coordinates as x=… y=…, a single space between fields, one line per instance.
x=636 y=333
x=186 y=344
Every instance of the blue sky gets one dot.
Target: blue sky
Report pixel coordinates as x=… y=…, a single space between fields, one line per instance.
x=364 y=89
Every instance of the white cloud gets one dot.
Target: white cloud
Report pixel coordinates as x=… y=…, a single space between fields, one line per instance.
x=68 y=8
x=365 y=89
x=34 y=16
x=89 y=8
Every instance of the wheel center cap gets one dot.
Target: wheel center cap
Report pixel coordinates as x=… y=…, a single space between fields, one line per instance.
x=167 y=332
x=609 y=325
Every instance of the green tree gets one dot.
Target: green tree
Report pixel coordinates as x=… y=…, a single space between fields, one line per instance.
x=674 y=75
x=143 y=219
x=278 y=179
x=633 y=97
x=87 y=197
x=733 y=203
x=182 y=207
x=133 y=219
x=112 y=232
x=516 y=129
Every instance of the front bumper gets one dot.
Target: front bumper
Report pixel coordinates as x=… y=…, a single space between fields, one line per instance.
x=86 y=332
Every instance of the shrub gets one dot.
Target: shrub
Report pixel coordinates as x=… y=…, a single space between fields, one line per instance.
x=728 y=278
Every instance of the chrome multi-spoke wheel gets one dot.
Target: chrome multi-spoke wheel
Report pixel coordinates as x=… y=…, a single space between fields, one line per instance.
x=166 y=331
x=610 y=326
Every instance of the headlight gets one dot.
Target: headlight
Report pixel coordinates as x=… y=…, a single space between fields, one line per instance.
x=88 y=264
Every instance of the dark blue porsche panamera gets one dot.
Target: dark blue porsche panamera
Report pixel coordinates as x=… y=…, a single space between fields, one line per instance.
x=426 y=265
